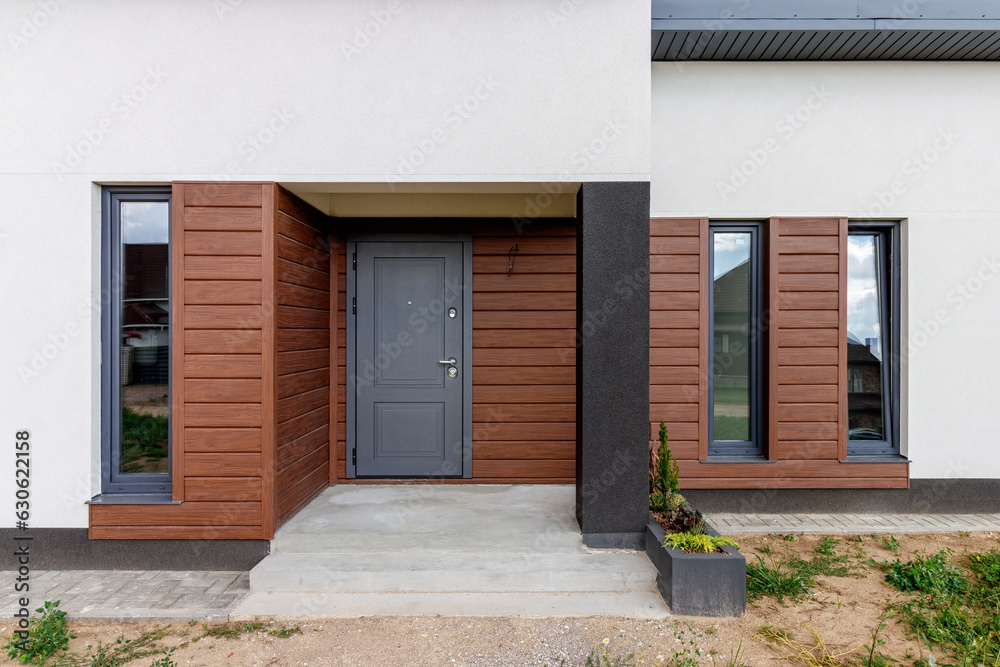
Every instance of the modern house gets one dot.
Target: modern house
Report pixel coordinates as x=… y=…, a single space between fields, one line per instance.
x=255 y=249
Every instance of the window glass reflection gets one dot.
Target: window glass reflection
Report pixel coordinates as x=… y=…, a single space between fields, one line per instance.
x=145 y=336
x=865 y=358
x=730 y=336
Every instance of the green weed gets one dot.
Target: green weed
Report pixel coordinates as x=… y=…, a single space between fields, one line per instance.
x=930 y=574
x=890 y=543
x=826 y=546
x=698 y=543
x=48 y=633
x=777 y=580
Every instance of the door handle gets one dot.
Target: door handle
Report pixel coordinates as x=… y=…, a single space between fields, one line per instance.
x=449 y=362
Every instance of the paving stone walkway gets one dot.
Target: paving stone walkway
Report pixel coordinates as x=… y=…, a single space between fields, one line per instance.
x=854 y=523
x=130 y=595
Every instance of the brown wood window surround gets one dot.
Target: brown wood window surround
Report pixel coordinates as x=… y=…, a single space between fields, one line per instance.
x=802 y=339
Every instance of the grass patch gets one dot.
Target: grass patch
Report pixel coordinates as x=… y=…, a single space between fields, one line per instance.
x=815 y=654
x=795 y=576
x=699 y=543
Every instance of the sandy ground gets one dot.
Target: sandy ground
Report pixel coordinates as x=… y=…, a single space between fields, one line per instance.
x=842 y=611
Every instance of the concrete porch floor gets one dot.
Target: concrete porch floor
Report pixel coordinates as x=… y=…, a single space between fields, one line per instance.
x=446 y=549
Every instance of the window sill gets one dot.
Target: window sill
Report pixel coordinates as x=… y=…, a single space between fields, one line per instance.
x=876 y=458
x=133 y=499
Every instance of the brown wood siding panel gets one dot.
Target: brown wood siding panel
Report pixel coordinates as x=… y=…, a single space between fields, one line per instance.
x=219 y=363
x=536 y=338
x=303 y=407
x=805 y=285
x=524 y=264
x=526 y=450
x=528 y=468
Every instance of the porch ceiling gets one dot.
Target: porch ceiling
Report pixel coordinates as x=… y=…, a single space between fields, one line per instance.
x=825 y=30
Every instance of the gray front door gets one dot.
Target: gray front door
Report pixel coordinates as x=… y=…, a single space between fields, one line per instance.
x=409 y=366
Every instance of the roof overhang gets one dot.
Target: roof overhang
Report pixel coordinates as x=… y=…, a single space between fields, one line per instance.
x=826 y=30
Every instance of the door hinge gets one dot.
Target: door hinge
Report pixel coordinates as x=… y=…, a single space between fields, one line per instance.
x=354 y=457
x=354 y=262
x=354 y=305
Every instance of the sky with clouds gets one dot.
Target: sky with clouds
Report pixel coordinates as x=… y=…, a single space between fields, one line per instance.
x=862 y=289
x=145 y=221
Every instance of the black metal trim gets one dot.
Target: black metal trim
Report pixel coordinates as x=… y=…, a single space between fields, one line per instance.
x=753 y=448
x=111 y=198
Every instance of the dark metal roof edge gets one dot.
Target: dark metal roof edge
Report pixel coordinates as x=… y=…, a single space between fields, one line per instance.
x=822 y=25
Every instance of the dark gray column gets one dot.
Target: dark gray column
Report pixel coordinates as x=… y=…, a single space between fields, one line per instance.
x=612 y=363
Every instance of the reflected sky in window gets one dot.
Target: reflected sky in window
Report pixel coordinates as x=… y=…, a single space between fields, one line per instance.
x=145 y=222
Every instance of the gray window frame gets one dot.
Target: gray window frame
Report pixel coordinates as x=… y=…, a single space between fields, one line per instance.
x=753 y=448
x=111 y=292
x=889 y=288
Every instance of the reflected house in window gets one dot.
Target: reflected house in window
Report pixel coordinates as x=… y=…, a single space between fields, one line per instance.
x=864 y=389
x=145 y=314
x=731 y=335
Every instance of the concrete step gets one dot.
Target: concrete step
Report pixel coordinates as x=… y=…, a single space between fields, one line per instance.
x=606 y=571
x=550 y=541
x=637 y=604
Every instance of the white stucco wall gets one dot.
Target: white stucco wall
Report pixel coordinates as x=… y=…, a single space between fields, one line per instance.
x=913 y=141
x=305 y=91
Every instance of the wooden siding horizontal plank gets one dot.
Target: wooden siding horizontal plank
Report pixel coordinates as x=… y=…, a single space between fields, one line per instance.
x=523 y=450
x=487 y=375
x=304 y=297
x=98 y=532
x=303 y=467
x=503 y=338
x=524 y=264
x=304 y=339
x=524 y=412
x=674 y=227
x=679 y=375
x=808 y=319
x=291 y=451
x=223 y=391
x=809 y=245
x=674 y=282
x=223 y=317
x=674 y=412
x=215 y=219
x=223 y=268
x=223 y=194
x=807 y=412
x=213 y=464
x=293 y=228
x=525 y=319
x=808 y=227
x=673 y=264
x=223 y=243
x=682 y=450
x=215 y=514
x=222 y=414
x=806 y=450
x=673 y=393
x=684 y=431
x=519 y=393
x=207 y=489
x=293 y=251
x=808 y=263
x=303 y=424
x=301 y=360
x=673 y=338
x=818 y=430
x=222 y=341
x=300 y=383
x=674 y=319
x=544 y=356
x=298 y=209
x=815 y=469
x=673 y=356
x=292 y=317
x=808 y=356
x=293 y=499
x=296 y=274
x=808 y=337
x=526 y=468
x=222 y=366
x=808 y=301
x=293 y=406
x=807 y=375
x=810 y=393
x=674 y=301
x=808 y=282
x=525 y=282
x=676 y=245
x=494 y=430
x=482 y=301
x=222 y=439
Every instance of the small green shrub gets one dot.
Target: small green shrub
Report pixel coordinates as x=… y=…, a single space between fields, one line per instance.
x=698 y=543
x=47 y=634
x=826 y=546
x=986 y=566
x=931 y=574
x=778 y=581
x=665 y=475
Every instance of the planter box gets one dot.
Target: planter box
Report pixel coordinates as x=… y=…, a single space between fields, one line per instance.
x=698 y=584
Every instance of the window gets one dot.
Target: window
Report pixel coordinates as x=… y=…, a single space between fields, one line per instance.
x=873 y=339
x=135 y=329
x=735 y=376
